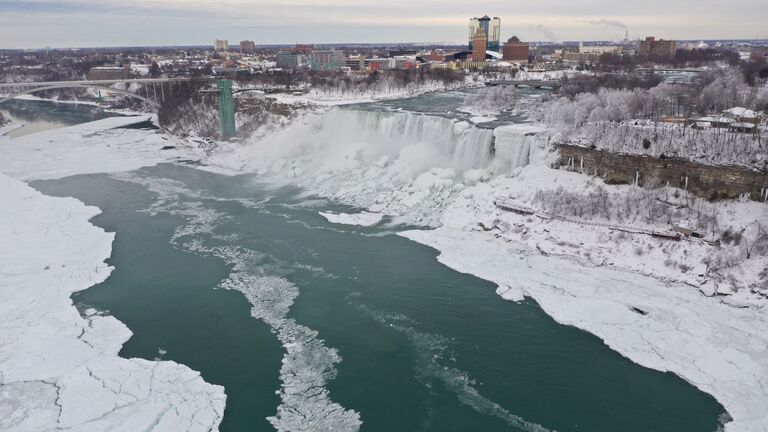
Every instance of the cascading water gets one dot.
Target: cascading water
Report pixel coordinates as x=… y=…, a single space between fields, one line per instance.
x=399 y=163
x=342 y=140
x=456 y=145
x=515 y=145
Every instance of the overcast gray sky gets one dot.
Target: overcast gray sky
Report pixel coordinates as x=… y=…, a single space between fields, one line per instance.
x=87 y=23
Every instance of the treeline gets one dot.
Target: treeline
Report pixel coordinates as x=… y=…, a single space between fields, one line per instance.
x=754 y=68
x=612 y=97
x=572 y=86
x=622 y=116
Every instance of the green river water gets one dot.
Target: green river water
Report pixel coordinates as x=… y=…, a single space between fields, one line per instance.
x=421 y=347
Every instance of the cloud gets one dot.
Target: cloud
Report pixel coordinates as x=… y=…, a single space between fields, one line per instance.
x=63 y=23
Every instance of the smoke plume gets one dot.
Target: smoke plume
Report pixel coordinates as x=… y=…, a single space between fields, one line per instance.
x=603 y=21
x=549 y=34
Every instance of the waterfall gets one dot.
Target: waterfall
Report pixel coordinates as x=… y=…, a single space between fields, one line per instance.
x=420 y=139
x=406 y=144
x=515 y=145
x=473 y=148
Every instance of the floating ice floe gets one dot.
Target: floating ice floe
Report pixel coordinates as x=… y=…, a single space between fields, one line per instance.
x=360 y=219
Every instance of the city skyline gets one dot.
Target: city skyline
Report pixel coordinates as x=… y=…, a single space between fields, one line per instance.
x=88 y=23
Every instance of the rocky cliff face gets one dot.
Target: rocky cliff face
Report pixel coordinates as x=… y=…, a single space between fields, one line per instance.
x=707 y=181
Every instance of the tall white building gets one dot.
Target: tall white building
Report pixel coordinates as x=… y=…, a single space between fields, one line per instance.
x=221 y=45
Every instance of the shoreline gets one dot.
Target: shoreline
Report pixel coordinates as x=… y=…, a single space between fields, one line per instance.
x=66 y=362
x=725 y=358
x=653 y=324
x=61 y=368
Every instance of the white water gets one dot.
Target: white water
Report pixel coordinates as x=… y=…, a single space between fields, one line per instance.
x=515 y=145
x=407 y=165
x=342 y=140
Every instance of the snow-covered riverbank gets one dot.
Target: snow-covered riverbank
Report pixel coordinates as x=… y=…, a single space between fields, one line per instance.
x=432 y=171
x=668 y=327
x=100 y=146
x=60 y=370
x=653 y=306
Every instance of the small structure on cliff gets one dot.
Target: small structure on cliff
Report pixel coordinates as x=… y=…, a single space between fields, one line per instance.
x=512 y=206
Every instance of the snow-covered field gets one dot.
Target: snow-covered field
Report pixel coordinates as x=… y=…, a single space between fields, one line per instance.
x=60 y=370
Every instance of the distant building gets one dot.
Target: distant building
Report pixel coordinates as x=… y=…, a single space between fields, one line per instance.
x=381 y=63
x=473 y=65
x=436 y=56
x=247 y=47
x=515 y=51
x=291 y=60
x=221 y=45
x=356 y=62
x=598 y=49
x=305 y=49
x=232 y=68
x=109 y=73
x=491 y=28
x=590 y=53
x=326 y=59
x=402 y=52
x=479 y=45
x=657 y=50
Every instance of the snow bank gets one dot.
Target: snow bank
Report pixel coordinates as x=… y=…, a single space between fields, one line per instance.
x=58 y=369
x=94 y=147
x=717 y=348
x=7 y=129
x=632 y=291
x=478 y=119
x=361 y=219
x=31 y=97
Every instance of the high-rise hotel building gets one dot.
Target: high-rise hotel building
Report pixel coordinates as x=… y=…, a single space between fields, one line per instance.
x=491 y=28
